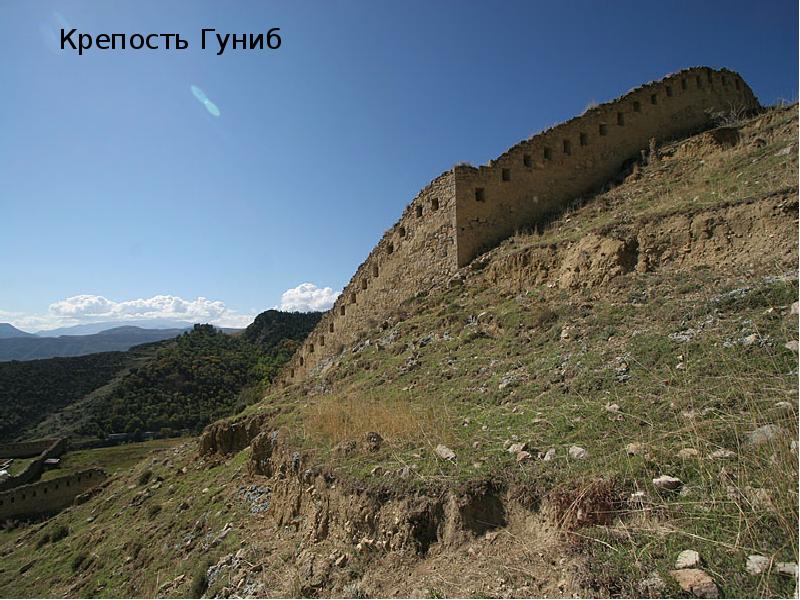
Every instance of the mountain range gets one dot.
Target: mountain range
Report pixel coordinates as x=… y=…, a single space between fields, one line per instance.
x=90 y=328
x=118 y=338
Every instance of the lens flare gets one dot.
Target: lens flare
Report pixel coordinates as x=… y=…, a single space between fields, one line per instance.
x=212 y=108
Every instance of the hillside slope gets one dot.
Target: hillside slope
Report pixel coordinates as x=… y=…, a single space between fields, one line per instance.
x=500 y=436
x=31 y=390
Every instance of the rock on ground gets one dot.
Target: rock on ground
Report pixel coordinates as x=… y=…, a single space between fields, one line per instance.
x=444 y=452
x=756 y=564
x=666 y=482
x=687 y=559
x=634 y=448
x=764 y=434
x=577 y=452
x=696 y=581
x=651 y=585
x=722 y=453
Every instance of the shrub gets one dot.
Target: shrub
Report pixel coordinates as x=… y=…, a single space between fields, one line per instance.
x=59 y=533
x=80 y=560
x=199 y=579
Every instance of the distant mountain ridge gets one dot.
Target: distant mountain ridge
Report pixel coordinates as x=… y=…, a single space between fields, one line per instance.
x=8 y=331
x=116 y=339
x=91 y=328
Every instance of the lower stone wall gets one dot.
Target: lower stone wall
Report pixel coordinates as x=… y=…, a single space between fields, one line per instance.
x=49 y=496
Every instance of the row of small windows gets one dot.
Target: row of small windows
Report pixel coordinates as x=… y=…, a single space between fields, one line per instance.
x=353 y=297
x=527 y=160
x=602 y=128
x=56 y=486
x=434 y=206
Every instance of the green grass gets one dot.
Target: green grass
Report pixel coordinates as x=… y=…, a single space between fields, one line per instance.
x=19 y=465
x=495 y=369
x=127 y=549
x=112 y=460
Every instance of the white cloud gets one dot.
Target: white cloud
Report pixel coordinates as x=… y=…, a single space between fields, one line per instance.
x=90 y=308
x=307 y=297
x=157 y=307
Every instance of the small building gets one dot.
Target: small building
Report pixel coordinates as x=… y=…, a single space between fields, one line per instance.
x=52 y=463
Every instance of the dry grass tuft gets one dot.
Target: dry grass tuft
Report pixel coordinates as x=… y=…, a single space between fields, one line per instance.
x=398 y=421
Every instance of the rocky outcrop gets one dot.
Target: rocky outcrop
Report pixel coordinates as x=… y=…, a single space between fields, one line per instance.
x=229 y=437
x=724 y=236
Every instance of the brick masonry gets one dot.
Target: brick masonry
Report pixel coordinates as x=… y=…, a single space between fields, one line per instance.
x=467 y=210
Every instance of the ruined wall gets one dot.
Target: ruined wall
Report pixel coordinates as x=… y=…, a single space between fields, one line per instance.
x=467 y=210
x=541 y=175
x=53 y=448
x=416 y=253
x=47 y=496
x=25 y=449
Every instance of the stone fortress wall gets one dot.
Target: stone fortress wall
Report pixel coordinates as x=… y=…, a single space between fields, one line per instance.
x=539 y=176
x=467 y=210
x=417 y=252
x=48 y=496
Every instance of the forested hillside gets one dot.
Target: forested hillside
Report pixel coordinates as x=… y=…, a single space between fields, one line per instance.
x=31 y=389
x=165 y=387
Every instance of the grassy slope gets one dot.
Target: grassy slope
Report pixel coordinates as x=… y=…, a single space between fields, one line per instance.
x=112 y=460
x=152 y=523
x=489 y=366
x=477 y=364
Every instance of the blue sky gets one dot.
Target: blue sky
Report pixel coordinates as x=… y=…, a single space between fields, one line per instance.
x=121 y=196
